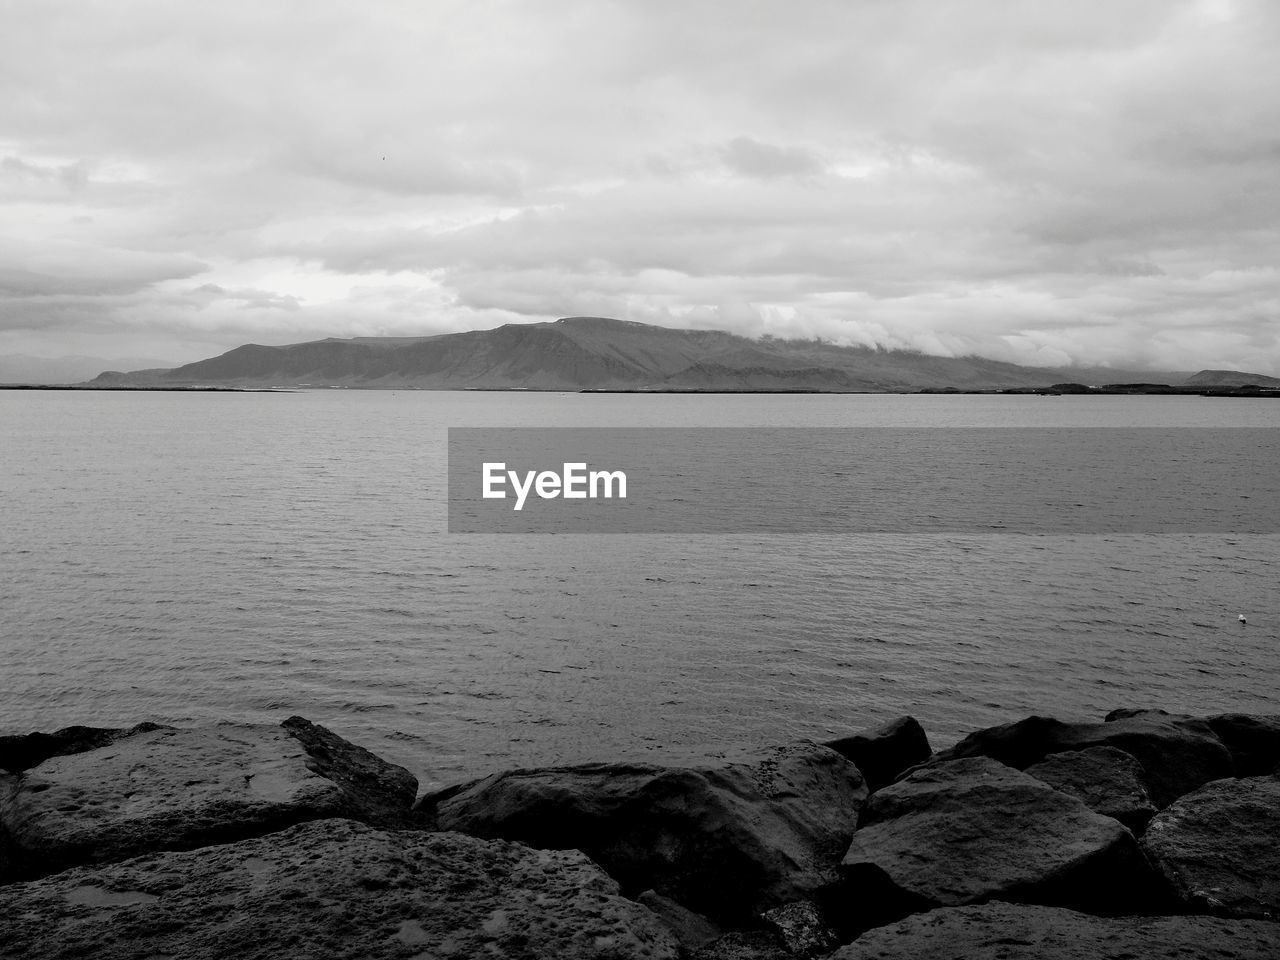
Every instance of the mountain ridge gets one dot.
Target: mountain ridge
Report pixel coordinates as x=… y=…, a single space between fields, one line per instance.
x=602 y=353
x=1231 y=378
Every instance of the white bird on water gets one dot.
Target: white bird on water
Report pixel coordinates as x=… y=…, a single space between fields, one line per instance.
x=1242 y=619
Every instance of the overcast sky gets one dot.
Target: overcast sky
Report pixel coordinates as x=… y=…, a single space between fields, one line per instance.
x=1034 y=181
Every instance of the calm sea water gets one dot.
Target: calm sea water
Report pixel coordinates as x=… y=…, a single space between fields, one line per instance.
x=188 y=557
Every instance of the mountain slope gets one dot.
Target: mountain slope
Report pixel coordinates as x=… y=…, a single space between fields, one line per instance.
x=600 y=353
x=1230 y=378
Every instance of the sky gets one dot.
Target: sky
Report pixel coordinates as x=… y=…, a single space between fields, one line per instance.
x=1093 y=182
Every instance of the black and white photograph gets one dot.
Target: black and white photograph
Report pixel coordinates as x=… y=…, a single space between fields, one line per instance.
x=639 y=480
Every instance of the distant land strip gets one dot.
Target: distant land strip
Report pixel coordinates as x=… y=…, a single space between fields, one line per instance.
x=140 y=389
x=609 y=355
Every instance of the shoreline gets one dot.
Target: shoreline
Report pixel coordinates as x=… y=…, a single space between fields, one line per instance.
x=74 y=386
x=1149 y=826
x=1156 y=390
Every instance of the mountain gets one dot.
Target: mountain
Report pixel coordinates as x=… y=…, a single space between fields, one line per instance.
x=600 y=353
x=1230 y=378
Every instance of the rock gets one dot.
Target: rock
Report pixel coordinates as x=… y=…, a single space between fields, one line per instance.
x=885 y=752
x=1149 y=713
x=1219 y=847
x=1254 y=741
x=693 y=930
x=377 y=792
x=728 y=841
x=8 y=852
x=1176 y=756
x=971 y=830
x=170 y=789
x=1003 y=931
x=801 y=928
x=744 y=945
x=334 y=889
x=18 y=753
x=1107 y=779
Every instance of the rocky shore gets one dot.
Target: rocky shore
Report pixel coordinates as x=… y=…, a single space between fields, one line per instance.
x=1145 y=835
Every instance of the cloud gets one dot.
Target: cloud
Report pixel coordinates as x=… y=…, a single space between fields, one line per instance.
x=19 y=177
x=245 y=299
x=51 y=268
x=1095 y=183
x=751 y=158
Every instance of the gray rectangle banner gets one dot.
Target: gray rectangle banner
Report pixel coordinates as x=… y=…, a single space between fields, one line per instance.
x=864 y=480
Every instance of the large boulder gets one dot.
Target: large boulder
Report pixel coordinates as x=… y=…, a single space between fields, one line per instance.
x=883 y=753
x=1177 y=755
x=971 y=830
x=1253 y=740
x=1107 y=779
x=22 y=751
x=335 y=889
x=728 y=841
x=375 y=791
x=8 y=854
x=692 y=930
x=1219 y=847
x=1002 y=931
x=171 y=789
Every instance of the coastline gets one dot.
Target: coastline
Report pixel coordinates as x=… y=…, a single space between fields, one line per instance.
x=1058 y=390
x=139 y=389
x=1150 y=829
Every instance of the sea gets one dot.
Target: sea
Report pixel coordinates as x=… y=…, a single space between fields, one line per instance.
x=193 y=557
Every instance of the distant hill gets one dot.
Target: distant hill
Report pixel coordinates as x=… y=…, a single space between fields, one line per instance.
x=601 y=353
x=1230 y=378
